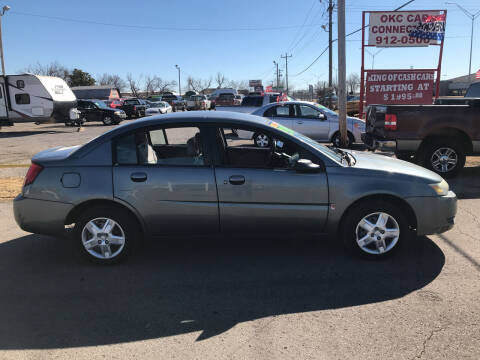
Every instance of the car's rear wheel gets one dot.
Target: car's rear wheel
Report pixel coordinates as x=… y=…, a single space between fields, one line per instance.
x=446 y=158
x=375 y=229
x=106 y=234
x=261 y=140
x=107 y=120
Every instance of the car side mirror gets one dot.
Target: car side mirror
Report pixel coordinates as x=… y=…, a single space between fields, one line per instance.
x=322 y=116
x=306 y=166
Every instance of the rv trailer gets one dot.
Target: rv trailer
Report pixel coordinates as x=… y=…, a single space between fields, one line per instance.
x=35 y=98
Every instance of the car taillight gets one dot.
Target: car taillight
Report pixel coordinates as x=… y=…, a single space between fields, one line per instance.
x=390 y=122
x=32 y=173
x=134 y=108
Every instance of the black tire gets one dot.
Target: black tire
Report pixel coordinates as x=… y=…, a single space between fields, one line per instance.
x=336 y=140
x=108 y=120
x=124 y=219
x=351 y=229
x=260 y=138
x=429 y=155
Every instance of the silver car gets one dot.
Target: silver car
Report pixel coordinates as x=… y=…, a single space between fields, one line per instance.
x=189 y=173
x=310 y=119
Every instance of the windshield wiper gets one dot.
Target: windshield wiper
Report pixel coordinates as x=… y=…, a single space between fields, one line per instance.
x=345 y=156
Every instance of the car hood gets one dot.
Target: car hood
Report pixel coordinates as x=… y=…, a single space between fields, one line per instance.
x=54 y=154
x=391 y=165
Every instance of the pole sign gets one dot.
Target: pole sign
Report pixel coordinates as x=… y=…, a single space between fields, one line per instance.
x=253 y=83
x=406 y=28
x=399 y=86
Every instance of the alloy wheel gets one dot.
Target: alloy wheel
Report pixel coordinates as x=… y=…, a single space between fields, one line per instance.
x=107 y=120
x=261 y=140
x=377 y=233
x=103 y=238
x=444 y=159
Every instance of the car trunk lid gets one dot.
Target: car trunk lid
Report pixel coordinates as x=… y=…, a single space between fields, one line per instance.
x=54 y=154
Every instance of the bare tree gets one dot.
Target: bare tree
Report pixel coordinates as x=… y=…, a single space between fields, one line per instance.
x=111 y=79
x=353 y=82
x=238 y=84
x=164 y=85
x=150 y=82
x=133 y=85
x=52 y=69
x=199 y=85
x=220 y=79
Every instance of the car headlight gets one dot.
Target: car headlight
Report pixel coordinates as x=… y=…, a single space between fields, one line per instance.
x=118 y=113
x=440 y=188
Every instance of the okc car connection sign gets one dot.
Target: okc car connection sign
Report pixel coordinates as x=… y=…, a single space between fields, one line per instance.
x=404 y=28
x=399 y=86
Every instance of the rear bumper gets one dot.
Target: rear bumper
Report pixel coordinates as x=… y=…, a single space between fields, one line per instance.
x=378 y=144
x=435 y=215
x=40 y=216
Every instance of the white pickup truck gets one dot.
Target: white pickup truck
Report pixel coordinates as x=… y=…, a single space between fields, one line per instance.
x=198 y=102
x=250 y=103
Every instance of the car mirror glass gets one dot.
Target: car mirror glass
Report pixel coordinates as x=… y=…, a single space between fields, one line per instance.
x=306 y=166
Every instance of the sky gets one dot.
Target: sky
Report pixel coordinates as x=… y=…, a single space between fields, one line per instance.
x=240 y=39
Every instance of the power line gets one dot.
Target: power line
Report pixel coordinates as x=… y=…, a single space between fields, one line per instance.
x=353 y=32
x=304 y=22
x=147 y=27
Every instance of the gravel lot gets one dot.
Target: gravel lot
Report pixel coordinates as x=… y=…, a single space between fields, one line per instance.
x=194 y=298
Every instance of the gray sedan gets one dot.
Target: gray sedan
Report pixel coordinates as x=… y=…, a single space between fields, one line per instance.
x=310 y=119
x=190 y=173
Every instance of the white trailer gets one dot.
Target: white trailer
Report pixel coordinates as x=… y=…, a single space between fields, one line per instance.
x=35 y=98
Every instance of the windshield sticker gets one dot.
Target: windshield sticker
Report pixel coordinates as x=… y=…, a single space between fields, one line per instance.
x=281 y=127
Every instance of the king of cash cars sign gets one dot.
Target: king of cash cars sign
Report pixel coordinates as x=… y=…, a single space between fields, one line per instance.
x=405 y=28
x=399 y=86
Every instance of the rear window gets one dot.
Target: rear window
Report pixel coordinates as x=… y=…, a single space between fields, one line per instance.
x=252 y=101
x=473 y=90
x=132 y=102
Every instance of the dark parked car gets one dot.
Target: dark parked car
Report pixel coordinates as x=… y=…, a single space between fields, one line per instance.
x=133 y=108
x=97 y=110
x=184 y=173
x=438 y=137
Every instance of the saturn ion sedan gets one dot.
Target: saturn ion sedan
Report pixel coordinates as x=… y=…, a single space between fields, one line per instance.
x=190 y=173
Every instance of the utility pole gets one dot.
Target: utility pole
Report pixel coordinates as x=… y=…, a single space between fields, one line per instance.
x=286 y=68
x=4 y=9
x=179 y=86
x=472 y=17
x=330 y=12
x=276 y=72
x=342 y=73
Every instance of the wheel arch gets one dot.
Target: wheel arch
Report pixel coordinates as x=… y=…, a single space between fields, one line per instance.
x=398 y=201
x=81 y=207
x=448 y=133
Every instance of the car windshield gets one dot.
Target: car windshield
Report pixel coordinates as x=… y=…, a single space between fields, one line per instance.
x=473 y=90
x=325 y=109
x=100 y=104
x=322 y=148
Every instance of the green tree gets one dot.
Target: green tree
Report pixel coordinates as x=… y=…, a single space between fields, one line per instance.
x=80 y=78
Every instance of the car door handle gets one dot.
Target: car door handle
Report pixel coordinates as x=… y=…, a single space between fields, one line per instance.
x=299 y=122
x=237 y=179
x=138 y=177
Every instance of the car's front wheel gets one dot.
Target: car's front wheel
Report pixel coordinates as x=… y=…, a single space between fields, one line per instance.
x=106 y=234
x=108 y=120
x=337 y=140
x=375 y=229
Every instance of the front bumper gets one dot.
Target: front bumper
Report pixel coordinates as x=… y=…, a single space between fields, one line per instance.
x=40 y=216
x=378 y=144
x=435 y=214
